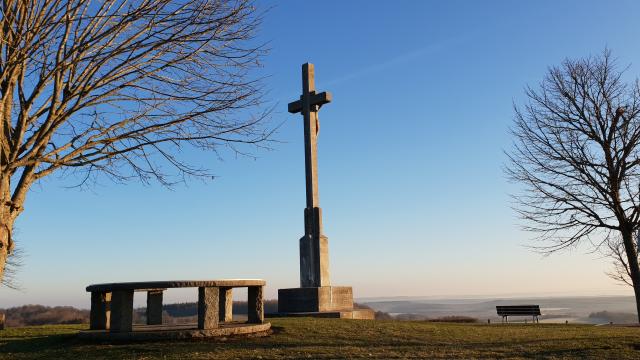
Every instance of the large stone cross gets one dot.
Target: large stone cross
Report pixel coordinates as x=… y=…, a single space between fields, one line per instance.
x=314 y=253
x=315 y=295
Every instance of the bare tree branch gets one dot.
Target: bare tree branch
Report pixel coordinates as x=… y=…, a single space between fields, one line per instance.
x=122 y=88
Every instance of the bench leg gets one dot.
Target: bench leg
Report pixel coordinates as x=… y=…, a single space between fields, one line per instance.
x=255 y=305
x=225 y=305
x=100 y=310
x=208 y=301
x=154 y=307
x=122 y=311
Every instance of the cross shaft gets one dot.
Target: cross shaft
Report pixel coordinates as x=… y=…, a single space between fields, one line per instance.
x=308 y=105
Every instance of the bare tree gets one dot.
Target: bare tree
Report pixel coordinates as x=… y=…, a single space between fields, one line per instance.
x=119 y=87
x=577 y=154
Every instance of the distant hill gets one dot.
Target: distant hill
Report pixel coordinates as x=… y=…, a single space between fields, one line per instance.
x=44 y=315
x=172 y=314
x=585 y=309
x=191 y=308
x=580 y=309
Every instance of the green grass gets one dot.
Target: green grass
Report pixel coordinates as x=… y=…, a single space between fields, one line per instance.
x=334 y=338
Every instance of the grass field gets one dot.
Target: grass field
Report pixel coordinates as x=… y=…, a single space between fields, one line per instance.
x=334 y=338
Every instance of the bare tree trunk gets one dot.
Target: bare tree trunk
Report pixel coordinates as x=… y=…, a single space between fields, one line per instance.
x=634 y=268
x=6 y=222
x=4 y=241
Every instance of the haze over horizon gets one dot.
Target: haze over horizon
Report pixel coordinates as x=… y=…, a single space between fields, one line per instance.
x=414 y=199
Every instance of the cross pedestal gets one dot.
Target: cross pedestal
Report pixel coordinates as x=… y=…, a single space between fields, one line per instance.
x=315 y=294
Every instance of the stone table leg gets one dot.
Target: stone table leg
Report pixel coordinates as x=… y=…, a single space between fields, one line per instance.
x=225 y=305
x=122 y=311
x=100 y=310
x=154 y=307
x=208 y=301
x=255 y=304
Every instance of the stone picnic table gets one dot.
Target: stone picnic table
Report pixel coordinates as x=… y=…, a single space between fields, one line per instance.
x=112 y=303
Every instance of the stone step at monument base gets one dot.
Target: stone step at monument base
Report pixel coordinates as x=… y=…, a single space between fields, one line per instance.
x=356 y=314
x=323 y=301
x=315 y=299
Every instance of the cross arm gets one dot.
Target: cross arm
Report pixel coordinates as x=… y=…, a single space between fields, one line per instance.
x=315 y=99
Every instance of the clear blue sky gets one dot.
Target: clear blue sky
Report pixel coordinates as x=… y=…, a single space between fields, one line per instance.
x=410 y=163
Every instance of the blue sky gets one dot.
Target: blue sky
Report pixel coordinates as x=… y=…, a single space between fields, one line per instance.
x=410 y=163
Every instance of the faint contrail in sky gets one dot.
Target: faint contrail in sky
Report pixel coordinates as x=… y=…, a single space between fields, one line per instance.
x=370 y=69
x=394 y=61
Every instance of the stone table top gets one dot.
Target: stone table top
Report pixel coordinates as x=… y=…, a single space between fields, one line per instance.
x=144 y=285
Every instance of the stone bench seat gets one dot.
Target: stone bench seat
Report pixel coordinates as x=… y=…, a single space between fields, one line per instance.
x=112 y=303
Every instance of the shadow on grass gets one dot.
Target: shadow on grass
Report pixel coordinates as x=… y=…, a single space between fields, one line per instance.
x=34 y=344
x=71 y=343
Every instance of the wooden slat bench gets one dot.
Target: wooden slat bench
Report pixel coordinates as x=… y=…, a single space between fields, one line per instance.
x=518 y=310
x=112 y=304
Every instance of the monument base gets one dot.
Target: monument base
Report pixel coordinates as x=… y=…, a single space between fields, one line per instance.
x=356 y=314
x=315 y=299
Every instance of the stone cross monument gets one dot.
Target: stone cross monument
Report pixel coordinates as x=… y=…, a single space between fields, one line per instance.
x=315 y=294
x=314 y=252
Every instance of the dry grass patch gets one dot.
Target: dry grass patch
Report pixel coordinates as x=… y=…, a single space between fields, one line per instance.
x=334 y=338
